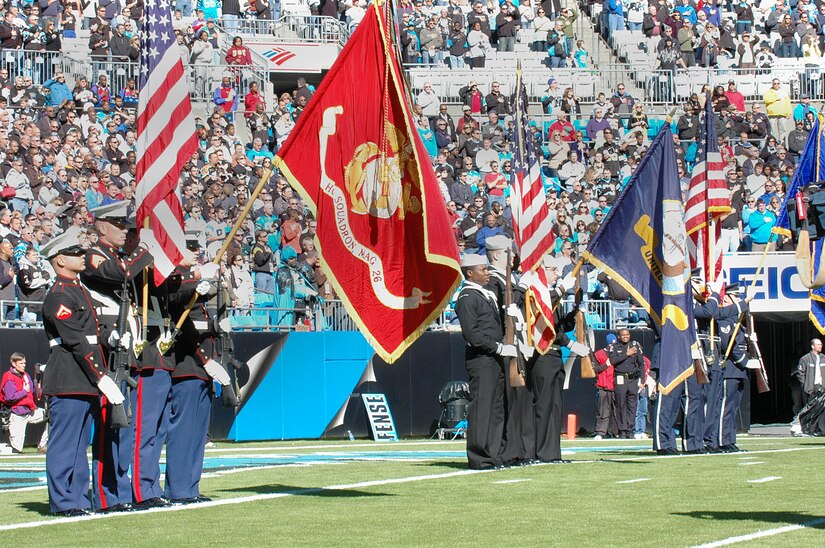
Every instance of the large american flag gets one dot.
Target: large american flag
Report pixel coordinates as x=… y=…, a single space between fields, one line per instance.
x=532 y=225
x=166 y=139
x=708 y=198
x=531 y=220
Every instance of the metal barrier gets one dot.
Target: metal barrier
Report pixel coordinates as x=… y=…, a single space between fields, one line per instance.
x=305 y=28
x=41 y=66
x=17 y=313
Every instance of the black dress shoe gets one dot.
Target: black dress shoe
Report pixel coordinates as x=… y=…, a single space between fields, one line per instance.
x=185 y=501
x=668 y=451
x=154 y=502
x=201 y=498
x=712 y=449
x=122 y=507
x=730 y=448
x=73 y=513
x=558 y=461
x=695 y=452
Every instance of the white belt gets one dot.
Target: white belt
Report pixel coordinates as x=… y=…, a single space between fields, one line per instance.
x=201 y=325
x=57 y=341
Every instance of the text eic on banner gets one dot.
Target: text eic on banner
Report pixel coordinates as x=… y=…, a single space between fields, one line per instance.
x=378 y=411
x=778 y=288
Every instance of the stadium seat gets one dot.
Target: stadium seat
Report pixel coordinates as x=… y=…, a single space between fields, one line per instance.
x=264 y=299
x=241 y=322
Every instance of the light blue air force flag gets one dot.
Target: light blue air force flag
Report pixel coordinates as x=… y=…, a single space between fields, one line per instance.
x=642 y=244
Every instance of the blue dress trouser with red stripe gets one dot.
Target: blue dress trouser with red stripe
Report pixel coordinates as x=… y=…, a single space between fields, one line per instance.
x=113 y=452
x=67 y=466
x=186 y=440
x=150 y=406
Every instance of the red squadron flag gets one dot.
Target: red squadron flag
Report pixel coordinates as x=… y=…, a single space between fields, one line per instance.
x=358 y=161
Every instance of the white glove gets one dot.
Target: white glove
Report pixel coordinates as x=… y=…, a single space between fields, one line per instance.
x=507 y=350
x=578 y=348
x=568 y=282
x=225 y=326
x=109 y=389
x=512 y=310
x=753 y=336
x=146 y=235
x=526 y=279
x=126 y=340
x=218 y=373
x=114 y=339
x=209 y=271
x=203 y=287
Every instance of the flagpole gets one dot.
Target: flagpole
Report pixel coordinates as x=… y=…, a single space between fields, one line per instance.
x=229 y=237
x=141 y=344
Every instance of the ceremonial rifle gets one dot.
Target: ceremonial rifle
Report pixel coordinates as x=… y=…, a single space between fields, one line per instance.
x=515 y=365
x=700 y=366
x=583 y=331
x=754 y=354
x=229 y=393
x=121 y=414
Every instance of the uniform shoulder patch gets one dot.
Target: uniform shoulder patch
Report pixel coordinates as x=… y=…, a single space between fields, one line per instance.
x=96 y=260
x=63 y=313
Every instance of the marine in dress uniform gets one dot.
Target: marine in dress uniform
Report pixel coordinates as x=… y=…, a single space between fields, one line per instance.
x=628 y=362
x=734 y=368
x=153 y=375
x=107 y=268
x=546 y=371
x=190 y=406
x=519 y=429
x=478 y=313
x=75 y=376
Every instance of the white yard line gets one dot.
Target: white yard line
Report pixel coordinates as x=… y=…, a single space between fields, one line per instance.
x=751 y=463
x=637 y=480
x=763 y=534
x=765 y=480
x=511 y=481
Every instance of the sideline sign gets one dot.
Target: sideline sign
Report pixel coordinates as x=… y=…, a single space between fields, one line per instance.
x=378 y=411
x=778 y=288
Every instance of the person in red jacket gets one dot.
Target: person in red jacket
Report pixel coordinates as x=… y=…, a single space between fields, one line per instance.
x=18 y=394
x=605 y=413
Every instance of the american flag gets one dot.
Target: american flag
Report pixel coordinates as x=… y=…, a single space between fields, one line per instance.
x=532 y=224
x=531 y=220
x=166 y=139
x=708 y=197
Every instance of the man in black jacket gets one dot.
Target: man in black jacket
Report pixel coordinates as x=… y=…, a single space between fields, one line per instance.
x=262 y=263
x=628 y=361
x=478 y=313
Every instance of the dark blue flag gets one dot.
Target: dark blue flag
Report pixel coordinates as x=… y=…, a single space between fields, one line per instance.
x=810 y=169
x=642 y=244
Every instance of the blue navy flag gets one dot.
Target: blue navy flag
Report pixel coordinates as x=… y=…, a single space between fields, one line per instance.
x=642 y=244
x=810 y=169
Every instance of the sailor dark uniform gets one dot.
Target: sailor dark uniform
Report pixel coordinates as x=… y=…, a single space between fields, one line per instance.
x=151 y=399
x=735 y=374
x=104 y=275
x=712 y=392
x=546 y=373
x=627 y=372
x=190 y=406
x=693 y=394
x=478 y=312
x=520 y=427
x=76 y=364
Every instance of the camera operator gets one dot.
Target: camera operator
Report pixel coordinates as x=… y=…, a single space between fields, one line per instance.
x=18 y=393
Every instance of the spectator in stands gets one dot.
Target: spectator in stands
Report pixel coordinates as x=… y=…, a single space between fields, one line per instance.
x=787 y=41
x=614 y=10
x=597 y=124
x=508 y=22
x=19 y=394
x=457 y=44
x=201 y=57
x=489 y=230
x=557 y=46
x=238 y=53
x=479 y=44
x=410 y=44
x=225 y=97
x=262 y=257
x=557 y=153
x=761 y=223
x=471 y=96
x=778 y=105
x=744 y=16
x=541 y=26
x=427 y=136
x=687 y=43
x=429 y=102
x=432 y=44
x=496 y=101
x=797 y=139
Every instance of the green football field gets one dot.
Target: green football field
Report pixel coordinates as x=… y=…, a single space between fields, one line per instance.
x=420 y=493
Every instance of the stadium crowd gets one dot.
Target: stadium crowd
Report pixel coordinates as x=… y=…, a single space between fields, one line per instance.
x=66 y=150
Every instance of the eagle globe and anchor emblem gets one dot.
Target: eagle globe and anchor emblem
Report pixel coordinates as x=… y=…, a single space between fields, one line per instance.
x=373 y=180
